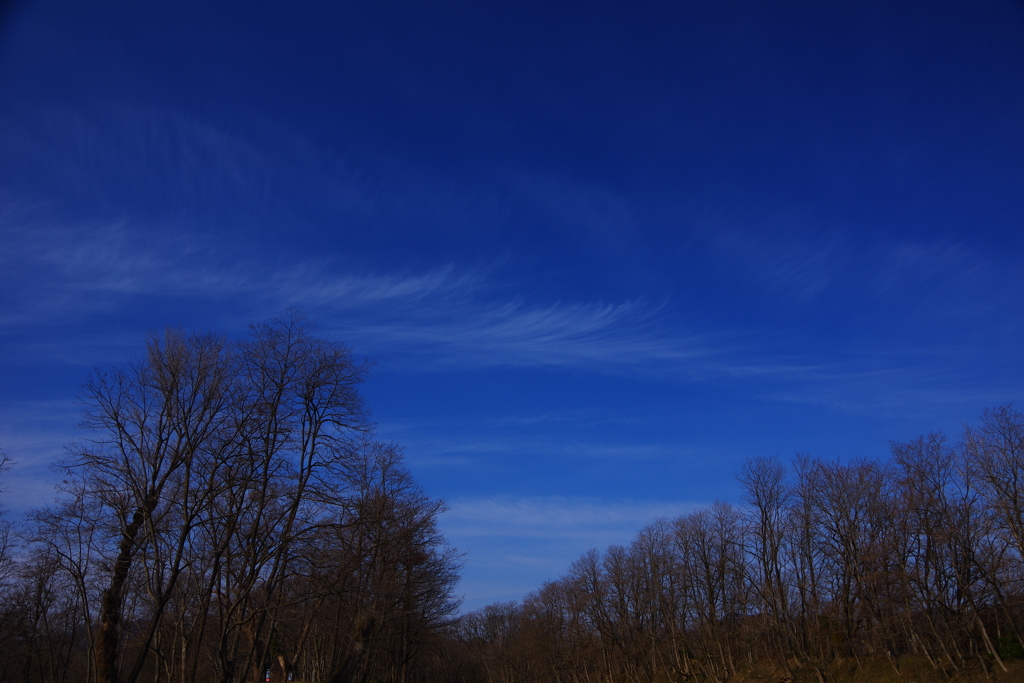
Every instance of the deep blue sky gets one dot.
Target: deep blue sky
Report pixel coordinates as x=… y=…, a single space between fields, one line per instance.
x=601 y=253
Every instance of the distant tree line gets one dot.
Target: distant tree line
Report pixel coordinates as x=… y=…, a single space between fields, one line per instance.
x=916 y=561
x=228 y=515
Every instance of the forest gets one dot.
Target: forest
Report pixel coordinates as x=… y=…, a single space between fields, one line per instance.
x=907 y=569
x=228 y=515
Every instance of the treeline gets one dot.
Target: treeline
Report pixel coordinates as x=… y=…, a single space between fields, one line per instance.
x=913 y=563
x=226 y=516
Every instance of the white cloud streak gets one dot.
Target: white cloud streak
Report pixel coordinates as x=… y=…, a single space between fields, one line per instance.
x=33 y=434
x=597 y=522
x=62 y=275
x=513 y=544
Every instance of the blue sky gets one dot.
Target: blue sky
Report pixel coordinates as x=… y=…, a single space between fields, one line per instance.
x=600 y=252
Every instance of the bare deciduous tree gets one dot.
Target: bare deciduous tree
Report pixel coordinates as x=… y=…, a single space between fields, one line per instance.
x=227 y=509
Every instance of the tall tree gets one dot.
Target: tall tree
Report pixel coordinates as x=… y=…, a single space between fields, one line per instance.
x=267 y=423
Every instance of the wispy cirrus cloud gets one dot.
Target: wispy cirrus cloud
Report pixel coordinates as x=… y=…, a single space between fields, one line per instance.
x=449 y=316
x=513 y=544
x=113 y=158
x=33 y=435
x=518 y=334
x=59 y=277
x=597 y=522
x=780 y=253
x=169 y=172
x=800 y=260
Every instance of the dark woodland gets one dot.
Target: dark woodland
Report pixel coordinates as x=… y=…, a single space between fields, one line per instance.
x=227 y=516
x=908 y=569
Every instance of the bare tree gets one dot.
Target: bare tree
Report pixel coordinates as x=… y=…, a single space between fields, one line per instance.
x=994 y=458
x=767 y=494
x=835 y=562
x=208 y=460
x=153 y=425
x=228 y=512
x=6 y=532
